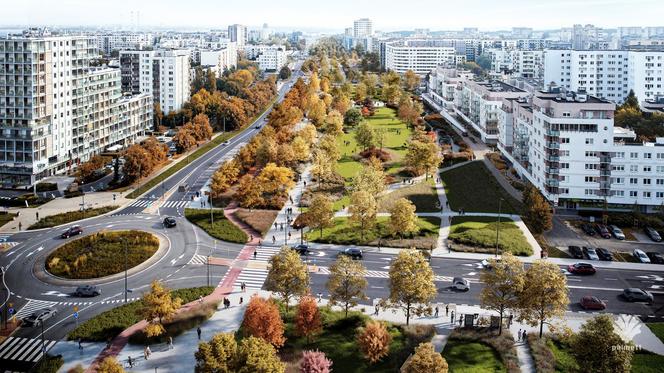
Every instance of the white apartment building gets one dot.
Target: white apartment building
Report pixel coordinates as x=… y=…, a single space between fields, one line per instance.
x=442 y=86
x=219 y=60
x=124 y=41
x=56 y=111
x=362 y=28
x=164 y=74
x=517 y=63
x=421 y=56
x=238 y=34
x=268 y=57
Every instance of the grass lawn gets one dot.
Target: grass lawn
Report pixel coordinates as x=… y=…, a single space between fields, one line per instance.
x=565 y=362
x=646 y=362
x=70 y=216
x=260 y=220
x=657 y=328
x=473 y=188
x=6 y=218
x=423 y=195
x=471 y=357
x=479 y=233
x=345 y=233
x=222 y=229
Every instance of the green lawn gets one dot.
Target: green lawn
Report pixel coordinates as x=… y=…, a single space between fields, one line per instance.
x=423 y=195
x=6 y=218
x=657 y=328
x=222 y=228
x=473 y=188
x=70 y=216
x=479 y=232
x=645 y=362
x=471 y=357
x=565 y=361
x=343 y=232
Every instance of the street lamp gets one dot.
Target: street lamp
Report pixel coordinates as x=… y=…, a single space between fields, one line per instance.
x=500 y=205
x=42 y=339
x=208 y=262
x=126 y=248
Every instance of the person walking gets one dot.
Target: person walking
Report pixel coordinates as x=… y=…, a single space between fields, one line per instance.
x=524 y=335
x=509 y=323
x=145 y=352
x=518 y=334
x=244 y=287
x=274 y=239
x=376 y=310
x=255 y=253
x=436 y=314
x=241 y=300
x=452 y=317
x=198 y=329
x=130 y=362
x=80 y=346
x=447 y=310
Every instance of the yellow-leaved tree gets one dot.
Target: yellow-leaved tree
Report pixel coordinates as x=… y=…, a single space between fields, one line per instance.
x=347 y=282
x=412 y=285
x=503 y=285
x=363 y=210
x=158 y=307
x=403 y=220
x=544 y=294
x=288 y=276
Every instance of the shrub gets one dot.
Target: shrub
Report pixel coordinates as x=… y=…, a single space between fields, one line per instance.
x=49 y=364
x=374 y=341
x=47 y=187
x=418 y=333
x=383 y=155
x=73 y=194
x=68 y=217
x=315 y=362
x=544 y=360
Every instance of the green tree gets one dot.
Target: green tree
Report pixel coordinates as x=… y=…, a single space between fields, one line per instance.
x=503 y=285
x=158 y=306
x=403 y=220
x=288 y=276
x=631 y=101
x=538 y=212
x=363 y=210
x=353 y=117
x=365 y=137
x=544 y=295
x=347 y=283
x=284 y=72
x=412 y=286
x=595 y=347
x=370 y=179
x=320 y=213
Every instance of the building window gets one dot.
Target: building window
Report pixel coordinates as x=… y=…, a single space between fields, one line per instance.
x=646 y=194
x=646 y=181
x=634 y=168
x=647 y=155
x=589 y=141
x=633 y=180
x=659 y=194
x=634 y=155
x=633 y=193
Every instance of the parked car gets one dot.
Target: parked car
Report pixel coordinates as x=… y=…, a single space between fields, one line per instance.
x=653 y=234
x=39 y=316
x=592 y=303
x=301 y=249
x=588 y=229
x=72 y=231
x=352 y=252
x=169 y=222
x=576 y=252
x=590 y=253
x=602 y=230
x=581 y=268
x=637 y=295
x=604 y=254
x=87 y=291
x=617 y=232
x=641 y=256
x=461 y=284
x=656 y=258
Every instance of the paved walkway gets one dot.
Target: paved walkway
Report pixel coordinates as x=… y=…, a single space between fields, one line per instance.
x=525 y=357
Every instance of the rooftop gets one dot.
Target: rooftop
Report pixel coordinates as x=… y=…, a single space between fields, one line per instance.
x=498 y=86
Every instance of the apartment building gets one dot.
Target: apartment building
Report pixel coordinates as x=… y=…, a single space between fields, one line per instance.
x=219 y=60
x=268 y=57
x=517 y=63
x=124 y=41
x=442 y=86
x=56 y=110
x=238 y=34
x=421 y=56
x=164 y=74
x=362 y=28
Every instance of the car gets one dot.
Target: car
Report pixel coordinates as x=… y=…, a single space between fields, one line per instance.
x=258 y=126
x=72 y=231
x=581 y=268
x=352 y=252
x=576 y=252
x=226 y=142
x=460 y=284
x=653 y=234
x=641 y=256
x=604 y=254
x=590 y=253
x=301 y=249
x=87 y=291
x=656 y=258
x=602 y=230
x=588 y=229
x=169 y=222
x=38 y=317
x=617 y=232
x=637 y=295
x=592 y=303
x=486 y=263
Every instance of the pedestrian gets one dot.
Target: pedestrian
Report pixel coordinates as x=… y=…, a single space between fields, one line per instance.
x=251 y=237
x=241 y=300
x=289 y=235
x=255 y=253
x=460 y=320
x=305 y=183
x=509 y=323
x=80 y=346
x=243 y=287
x=145 y=352
x=37 y=215
x=436 y=314
x=275 y=225
x=524 y=335
x=170 y=342
x=198 y=329
x=376 y=310
x=447 y=310
x=290 y=198
x=20 y=226
x=281 y=226
x=130 y=362
x=200 y=299
x=273 y=239
x=518 y=334
x=452 y=317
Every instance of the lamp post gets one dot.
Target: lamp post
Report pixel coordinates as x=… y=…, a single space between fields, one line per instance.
x=126 y=248
x=42 y=339
x=500 y=205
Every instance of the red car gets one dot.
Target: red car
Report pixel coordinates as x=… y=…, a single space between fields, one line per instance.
x=603 y=230
x=592 y=303
x=581 y=269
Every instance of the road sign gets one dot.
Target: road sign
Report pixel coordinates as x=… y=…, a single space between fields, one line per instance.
x=11 y=311
x=76 y=315
x=75 y=308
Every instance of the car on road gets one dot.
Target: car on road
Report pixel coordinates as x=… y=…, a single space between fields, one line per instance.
x=352 y=252
x=653 y=234
x=38 y=317
x=637 y=295
x=602 y=230
x=87 y=291
x=581 y=268
x=460 y=284
x=590 y=253
x=617 y=232
x=169 y=222
x=604 y=254
x=258 y=126
x=641 y=256
x=575 y=252
x=588 y=229
x=301 y=249
x=225 y=142
x=72 y=231
x=656 y=258
x=592 y=303
x=486 y=263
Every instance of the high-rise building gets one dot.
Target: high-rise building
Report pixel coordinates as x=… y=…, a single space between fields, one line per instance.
x=362 y=28
x=56 y=110
x=220 y=60
x=238 y=34
x=420 y=56
x=164 y=74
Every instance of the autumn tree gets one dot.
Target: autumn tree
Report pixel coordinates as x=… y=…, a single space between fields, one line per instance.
x=370 y=178
x=544 y=295
x=365 y=137
x=412 y=285
x=184 y=139
x=110 y=365
x=314 y=362
x=308 y=133
x=86 y=171
x=391 y=94
x=138 y=163
x=409 y=111
x=352 y=118
x=322 y=165
x=262 y=320
x=202 y=130
x=328 y=143
x=267 y=151
x=249 y=192
x=334 y=123
x=363 y=210
x=158 y=306
x=422 y=157
x=425 y=360
x=307 y=318
x=288 y=276
x=411 y=80
x=347 y=283
x=374 y=341
x=360 y=91
x=218 y=355
x=275 y=181
x=314 y=82
x=594 y=347
x=158 y=151
x=538 y=211
x=301 y=149
x=257 y=355
x=341 y=103
x=504 y=284
x=320 y=213
x=225 y=176
x=403 y=220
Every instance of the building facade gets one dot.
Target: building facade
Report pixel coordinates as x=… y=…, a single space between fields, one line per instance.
x=238 y=34
x=420 y=56
x=219 y=60
x=362 y=28
x=268 y=57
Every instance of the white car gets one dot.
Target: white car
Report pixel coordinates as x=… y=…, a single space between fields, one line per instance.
x=641 y=256
x=460 y=284
x=617 y=232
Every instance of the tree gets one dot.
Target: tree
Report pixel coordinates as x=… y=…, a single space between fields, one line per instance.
x=307 y=318
x=301 y=149
x=363 y=210
x=595 y=347
x=352 y=118
x=374 y=341
x=320 y=213
x=504 y=284
x=411 y=284
x=341 y=103
x=218 y=355
x=314 y=82
x=110 y=365
x=308 y=133
x=365 y=137
x=184 y=139
x=425 y=360
x=288 y=275
x=158 y=306
x=391 y=93
x=284 y=72
x=262 y=320
x=346 y=283
x=403 y=220
x=328 y=144
x=275 y=180
x=544 y=294
x=138 y=163
x=256 y=355
x=422 y=157
x=411 y=80
x=315 y=362
x=225 y=176
x=323 y=166
x=409 y=110
x=249 y=192
x=334 y=123
x=360 y=91
x=86 y=171
x=317 y=112
x=631 y=101
x=158 y=151
x=538 y=211
x=370 y=178
x=202 y=130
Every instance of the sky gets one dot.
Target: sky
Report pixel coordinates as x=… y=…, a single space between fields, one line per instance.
x=335 y=15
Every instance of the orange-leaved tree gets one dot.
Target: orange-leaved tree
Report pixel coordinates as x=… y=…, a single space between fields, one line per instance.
x=374 y=341
x=262 y=320
x=307 y=318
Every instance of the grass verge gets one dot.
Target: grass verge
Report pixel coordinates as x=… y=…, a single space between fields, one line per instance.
x=222 y=228
x=259 y=220
x=49 y=364
x=478 y=234
x=542 y=355
x=6 y=217
x=423 y=195
x=657 y=328
x=481 y=350
x=647 y=362
x=70 y=216
x=565 y=361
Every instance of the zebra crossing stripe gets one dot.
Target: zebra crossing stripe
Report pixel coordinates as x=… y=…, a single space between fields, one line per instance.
x=173 y=204
x=33 y=305
x=198 y=259
x=24 y=349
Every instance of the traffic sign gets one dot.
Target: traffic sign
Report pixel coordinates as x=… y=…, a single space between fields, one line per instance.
x=75 y=308
x=11 y=311
x=76 y=315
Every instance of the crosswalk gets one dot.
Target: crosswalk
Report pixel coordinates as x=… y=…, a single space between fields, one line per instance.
x=32 y=306
x=253 y=278
x=198 y=259
x=175 y=204
x=385 y=274
x=265 y=253
x=24 y=349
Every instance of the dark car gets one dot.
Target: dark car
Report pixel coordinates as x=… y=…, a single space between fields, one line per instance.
x=603 y=230
x=592 y=303
x=72 y=231
x=604 y=254
x=87 y=291
x=39 y=316
x=653 y=234
x=656 y=258
x=588 y=229
x=576 y=252
x=637 y=295
x=169 y=222
x=590 y=253
x=352 y=252
x=301 y=249
x=581 y=269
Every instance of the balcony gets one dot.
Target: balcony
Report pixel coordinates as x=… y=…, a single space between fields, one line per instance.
x=552 y=145
x=552 y=170
x=552 y=183
x=553 y=133
x=553 y=158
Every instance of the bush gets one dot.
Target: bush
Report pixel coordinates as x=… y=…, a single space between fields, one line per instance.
x=19 y=201
x=73 y=194
x=222 y=229
x=382 y=155
x=47 y=187
x=68 y=217
x=418 y=333
x=49 y=364
x=544 y=360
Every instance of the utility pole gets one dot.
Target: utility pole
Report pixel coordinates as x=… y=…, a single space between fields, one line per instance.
x=125 y=267
x=500 y=205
